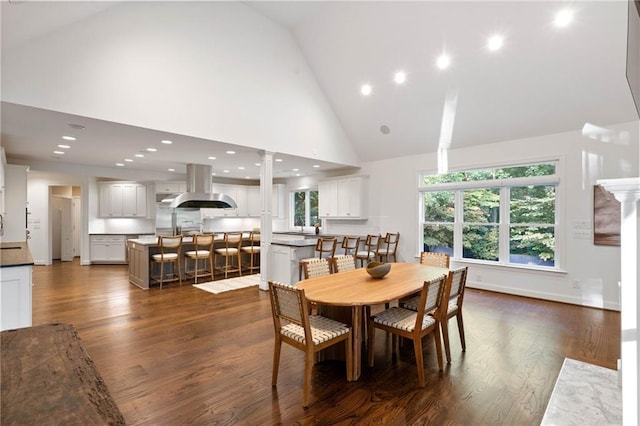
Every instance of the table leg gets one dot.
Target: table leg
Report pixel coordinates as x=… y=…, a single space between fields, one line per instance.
x=356 y=313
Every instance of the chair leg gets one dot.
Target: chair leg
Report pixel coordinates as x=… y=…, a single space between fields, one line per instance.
x=308 y=367
x=276 y=361
x=179 y=273
x=436 y=337
x=161 y=273
x=461 y=330
x=445 y=336
x=417 y=348
x=349 y=344
x=371 y=330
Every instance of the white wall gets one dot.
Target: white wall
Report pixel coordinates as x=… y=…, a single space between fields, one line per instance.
x=593 y=269
x=213 y=70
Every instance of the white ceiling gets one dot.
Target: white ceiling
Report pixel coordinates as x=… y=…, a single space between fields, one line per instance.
x=545 y=79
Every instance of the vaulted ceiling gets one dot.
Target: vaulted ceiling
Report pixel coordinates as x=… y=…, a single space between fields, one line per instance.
x=545 y=79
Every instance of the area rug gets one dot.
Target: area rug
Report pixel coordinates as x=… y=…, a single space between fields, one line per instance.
x=229 y=284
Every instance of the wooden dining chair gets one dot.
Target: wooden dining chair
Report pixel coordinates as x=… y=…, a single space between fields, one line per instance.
x=388 y=248
x=310 y=333
x=170 y=251
x=434 y=259
x=202 y=252
x=230 y=251
x=414 y=325
x=316 y=268
x=253 y=250
x=345 y=262
x=370 y=247
x=458 y=278
x=325 y=248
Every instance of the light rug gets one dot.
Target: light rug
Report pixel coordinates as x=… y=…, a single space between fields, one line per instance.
x=229 y=284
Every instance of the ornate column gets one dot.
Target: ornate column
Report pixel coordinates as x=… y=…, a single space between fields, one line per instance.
x=266 y=216
x=627 y=191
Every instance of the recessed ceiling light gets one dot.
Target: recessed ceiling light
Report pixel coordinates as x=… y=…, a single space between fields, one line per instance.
x=384 y=129
x=296 y=170
x=166 y=142
x=247 y=177
x=257 y=164
x=366 y=89
x=279 y=160
x=400 y=77
x=315 y=166
x=213 y=174
x=58 y=152
x=120 y=164
x=297 y=174
x=211 y=158
x=231 y=152
x=240 y=167
x=225 y=171
x=139 y=155
x=494 y=43
x=151 y=149
x=77 y=126
x=171 y=170
x=563 y=18
x=443 y=61
x=128 y=160
x=64 y=146
x=68 y=138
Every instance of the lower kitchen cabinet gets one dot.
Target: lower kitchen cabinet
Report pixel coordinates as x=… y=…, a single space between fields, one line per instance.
x=108 y=249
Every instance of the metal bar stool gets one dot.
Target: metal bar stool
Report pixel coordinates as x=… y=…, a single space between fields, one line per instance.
x=170 y=249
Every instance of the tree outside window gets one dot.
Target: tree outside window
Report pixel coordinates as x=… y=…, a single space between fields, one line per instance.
x=305 y=208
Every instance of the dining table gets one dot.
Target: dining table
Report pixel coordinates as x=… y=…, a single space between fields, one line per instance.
x=356 y=289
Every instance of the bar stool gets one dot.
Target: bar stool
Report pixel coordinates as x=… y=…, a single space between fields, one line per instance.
x=170 y=248
x=203 y=251
x=252 y=250
x=388 y=248
x=370 y=247
x=350 y=245
x=325 y=247
x=231 y=249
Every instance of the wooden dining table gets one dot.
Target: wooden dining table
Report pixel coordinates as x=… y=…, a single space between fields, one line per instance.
x=356 y=289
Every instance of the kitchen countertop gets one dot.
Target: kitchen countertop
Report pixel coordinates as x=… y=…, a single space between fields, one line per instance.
x=15 y=254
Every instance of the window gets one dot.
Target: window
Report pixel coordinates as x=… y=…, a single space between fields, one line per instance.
x=501 y=215
x=304 y=208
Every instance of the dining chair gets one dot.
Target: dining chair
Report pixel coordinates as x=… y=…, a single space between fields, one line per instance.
x=370 y=247
x=458 y=278
x=434 y=259
x=170 y=250
x=414 y=325
x=202 y=251
x=344 y=262
x=253 y=250
x=388 y=248
x=316 y=267
x=325 y=248
x=310 y=333
x=350 y=245
x=229 y=251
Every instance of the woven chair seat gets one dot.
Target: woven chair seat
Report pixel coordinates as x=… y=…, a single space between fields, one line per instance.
x=166 y=256
x=200 y=254
x=402 y=319
x=365 y=254
x=322 y=329
x=251 y=249
x=453 y=307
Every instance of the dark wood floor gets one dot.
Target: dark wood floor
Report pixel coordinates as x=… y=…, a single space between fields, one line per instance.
x=185 y=356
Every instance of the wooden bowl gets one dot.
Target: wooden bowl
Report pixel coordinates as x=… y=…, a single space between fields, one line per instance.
x=378 y=269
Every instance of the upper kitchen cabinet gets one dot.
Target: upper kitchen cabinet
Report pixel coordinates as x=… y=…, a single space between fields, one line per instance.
x=343 y=198
x=120 y=199
x=171 y=187
x=254 y=203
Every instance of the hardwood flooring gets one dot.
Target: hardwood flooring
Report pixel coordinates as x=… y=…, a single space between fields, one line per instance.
x=181 y=355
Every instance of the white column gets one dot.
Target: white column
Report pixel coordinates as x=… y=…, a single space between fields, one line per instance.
x=266 y=217
x=627 y=191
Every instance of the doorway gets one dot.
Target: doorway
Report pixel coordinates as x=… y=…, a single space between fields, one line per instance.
x=65 y=216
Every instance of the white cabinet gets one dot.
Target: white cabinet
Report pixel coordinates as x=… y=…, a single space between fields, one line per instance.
x=108 y=249
x=15 y=297
x=122 y=200
x=344 y=198
x=170 y=187
x=286 y=261
x=254 y=203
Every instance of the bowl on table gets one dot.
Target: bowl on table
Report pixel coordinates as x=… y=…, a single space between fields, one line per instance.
x=378 y=269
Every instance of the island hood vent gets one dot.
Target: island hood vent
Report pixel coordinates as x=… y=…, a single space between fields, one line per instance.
x=199 y=195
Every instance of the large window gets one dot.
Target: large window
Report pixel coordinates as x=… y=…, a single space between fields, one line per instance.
x=304 y=207
x=500 y=215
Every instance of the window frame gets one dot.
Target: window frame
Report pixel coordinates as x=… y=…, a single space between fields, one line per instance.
x=307 y=208
x=505 y=225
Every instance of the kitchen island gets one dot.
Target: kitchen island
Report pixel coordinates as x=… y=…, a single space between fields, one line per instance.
x=15 y=285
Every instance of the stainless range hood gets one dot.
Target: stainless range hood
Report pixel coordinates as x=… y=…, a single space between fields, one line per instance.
x=199 y=195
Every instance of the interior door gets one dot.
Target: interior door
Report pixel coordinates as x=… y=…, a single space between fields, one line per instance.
x=66 y=230
x=77 y=225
